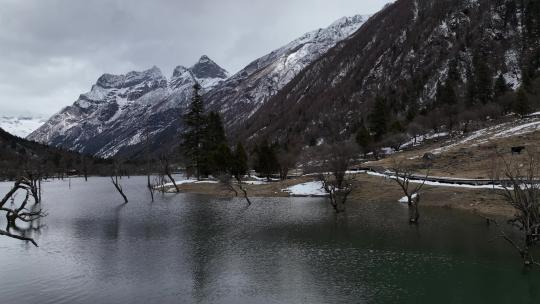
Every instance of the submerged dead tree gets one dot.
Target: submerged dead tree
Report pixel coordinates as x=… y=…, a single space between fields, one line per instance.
x=116 y=181
x=20 y=212
x=521 y=190
x=406 y=178
x=336 y=160
x=228 y=183
x=149 y=185
x=166 y=168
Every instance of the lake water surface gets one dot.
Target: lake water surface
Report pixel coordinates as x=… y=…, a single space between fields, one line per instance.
x=197 y=249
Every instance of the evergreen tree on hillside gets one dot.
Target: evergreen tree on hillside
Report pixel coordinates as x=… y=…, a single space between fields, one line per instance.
x=501 y=87
x=379 y=118
x=446 y=95
x=470 y=93
x=522 y=104
x=364 y=140
x=484 y=80
x=193 y=137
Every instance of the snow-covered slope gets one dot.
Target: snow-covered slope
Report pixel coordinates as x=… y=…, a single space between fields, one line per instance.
x=245 y=92
x=20 y=126
x=121 y=111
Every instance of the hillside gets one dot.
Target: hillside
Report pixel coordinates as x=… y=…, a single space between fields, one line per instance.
x=435 y=63
x=18 y=155
x=472 y=155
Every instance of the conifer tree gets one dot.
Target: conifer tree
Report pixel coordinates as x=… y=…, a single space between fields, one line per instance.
x=267 y=162
x=522 y=104
x=484 y=81
x=215 y=153
x=501 y=87
x=446 y=94
x=195 y=122
x=379 y=118
x=364 y=139
x=239 y=166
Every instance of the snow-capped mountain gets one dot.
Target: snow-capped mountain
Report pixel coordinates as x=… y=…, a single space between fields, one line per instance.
x=122 y=111
x=21 y=126
x=245 y=92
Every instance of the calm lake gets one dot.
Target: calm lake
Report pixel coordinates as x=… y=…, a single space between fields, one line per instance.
x=197 y=249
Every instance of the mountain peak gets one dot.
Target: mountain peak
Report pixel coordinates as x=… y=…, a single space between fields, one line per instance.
x=179 y=70
x=207 y=68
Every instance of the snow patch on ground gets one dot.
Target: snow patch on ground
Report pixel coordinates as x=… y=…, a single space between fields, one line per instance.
x=439 y=184
x=191 y=181
x=306 y=189
x=405 y=200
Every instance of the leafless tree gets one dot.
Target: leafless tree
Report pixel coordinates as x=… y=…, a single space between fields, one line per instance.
x=166 y=168
x=227 y=182
x=404 y=177
x=116 y=182
x=21 y=212
x=337 y=159
x=149 y=185
x=287 y=161
x=521 y=190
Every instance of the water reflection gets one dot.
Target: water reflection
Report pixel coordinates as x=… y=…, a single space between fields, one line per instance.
x=197 y=249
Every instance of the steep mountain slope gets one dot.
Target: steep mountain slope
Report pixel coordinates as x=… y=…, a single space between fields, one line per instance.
x=404 y=53
x=21 y=126
x=121 y=111
x=245 y=92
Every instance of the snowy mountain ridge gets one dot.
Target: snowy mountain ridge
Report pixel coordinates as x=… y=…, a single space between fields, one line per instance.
x=119 y=108
x=122 y=114
x=244 y=93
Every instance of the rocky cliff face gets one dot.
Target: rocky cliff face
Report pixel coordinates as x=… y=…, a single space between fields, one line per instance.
x=124 y=113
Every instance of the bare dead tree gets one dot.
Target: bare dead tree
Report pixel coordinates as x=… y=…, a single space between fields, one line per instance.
x=148 y=165
x=166 y=168
x=115 y=181
x=521 y=190
x=403 y=176
x=21 y=212
x=227 y=182
x=336 y=160
x=35 y=177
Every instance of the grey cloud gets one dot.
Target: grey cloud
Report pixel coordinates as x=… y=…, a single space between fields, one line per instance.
x=53 y=50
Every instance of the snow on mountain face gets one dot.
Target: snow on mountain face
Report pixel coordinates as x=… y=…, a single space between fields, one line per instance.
x=245 y=92
x=20 y=126
x=122 y=110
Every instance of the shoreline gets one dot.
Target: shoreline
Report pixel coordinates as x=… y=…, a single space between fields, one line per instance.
x=370 y=188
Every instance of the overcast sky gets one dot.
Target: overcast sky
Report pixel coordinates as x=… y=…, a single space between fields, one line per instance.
x=51 y=51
